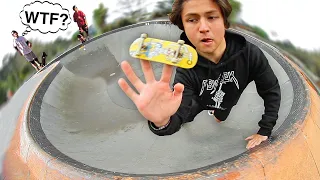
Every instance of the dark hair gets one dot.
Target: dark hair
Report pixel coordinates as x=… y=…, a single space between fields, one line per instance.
x=14 y=31
x=74 y=7
x=177 y=7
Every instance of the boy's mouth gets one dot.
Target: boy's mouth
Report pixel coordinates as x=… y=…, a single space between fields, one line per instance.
x=206 y=40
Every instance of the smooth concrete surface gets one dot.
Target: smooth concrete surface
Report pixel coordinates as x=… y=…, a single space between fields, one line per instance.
x=85 y=115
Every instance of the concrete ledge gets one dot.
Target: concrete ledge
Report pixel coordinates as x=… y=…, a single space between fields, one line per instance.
x=294 y=154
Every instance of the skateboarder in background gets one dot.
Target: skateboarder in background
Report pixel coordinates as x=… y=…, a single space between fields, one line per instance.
x=23 y=46
x=80 y=18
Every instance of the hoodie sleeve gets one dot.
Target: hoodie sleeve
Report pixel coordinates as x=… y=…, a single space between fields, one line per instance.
x=268 y=89
x=187 y=110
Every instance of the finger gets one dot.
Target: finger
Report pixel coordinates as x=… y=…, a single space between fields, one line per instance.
x=147 y=70
x=249 y=138
x=254 y=144
x=250 y=144
x=257 y=142
x=127 y=90
x=128 y=71
x=166 y=73
x=218 y=120
x=178 y=89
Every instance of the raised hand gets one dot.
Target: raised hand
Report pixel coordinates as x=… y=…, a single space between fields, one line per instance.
x=155 y=100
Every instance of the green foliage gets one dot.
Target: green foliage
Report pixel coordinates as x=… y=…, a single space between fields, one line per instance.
x=16 y=69
x=236 y=9
x=163 y=8
x=129 y=8
x=99 y=18
x=311 y=59
x=132 y=10
x=74 y=36
x=260 y=32
x=124 y=22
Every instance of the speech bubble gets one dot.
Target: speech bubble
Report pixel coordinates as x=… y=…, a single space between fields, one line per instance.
x=26 y=31
x=45 y=17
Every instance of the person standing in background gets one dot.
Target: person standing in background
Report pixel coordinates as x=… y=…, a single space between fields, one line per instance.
x=80 y=18
x=23 y=46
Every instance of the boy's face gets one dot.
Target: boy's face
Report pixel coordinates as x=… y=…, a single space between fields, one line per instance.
x=15 y=35
x=204 y=25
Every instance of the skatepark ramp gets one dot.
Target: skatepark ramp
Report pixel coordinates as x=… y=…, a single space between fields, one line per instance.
x=74 y=122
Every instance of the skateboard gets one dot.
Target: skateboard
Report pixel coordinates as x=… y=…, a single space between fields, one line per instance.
x=43 y=61
x=82 y=39
x=43 y=58
x=172 y=53
x=82 y=47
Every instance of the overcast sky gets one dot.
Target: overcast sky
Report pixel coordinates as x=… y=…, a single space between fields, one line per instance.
x=295 y=20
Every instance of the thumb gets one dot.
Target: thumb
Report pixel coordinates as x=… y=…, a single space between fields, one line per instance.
x=178 y=89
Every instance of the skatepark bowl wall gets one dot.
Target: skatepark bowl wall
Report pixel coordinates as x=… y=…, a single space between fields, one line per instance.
x=74 y=122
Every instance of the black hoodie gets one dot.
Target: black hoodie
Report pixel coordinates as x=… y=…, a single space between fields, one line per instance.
x=210 y=86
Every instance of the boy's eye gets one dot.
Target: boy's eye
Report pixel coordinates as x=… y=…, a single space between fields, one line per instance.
x=191 y=20
x=212 y=17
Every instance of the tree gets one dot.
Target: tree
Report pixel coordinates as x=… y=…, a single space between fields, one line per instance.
x=163 y=8
x=123 y=22
x=99 y=17
x=260 y=32
x=132 y=9
x=16 y=69
x=236 y=9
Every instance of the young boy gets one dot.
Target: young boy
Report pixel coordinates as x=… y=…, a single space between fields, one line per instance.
x=23 y=46
x=227 y=63
x=80 y=18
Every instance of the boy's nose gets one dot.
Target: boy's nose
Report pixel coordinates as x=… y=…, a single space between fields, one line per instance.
x=203 y=26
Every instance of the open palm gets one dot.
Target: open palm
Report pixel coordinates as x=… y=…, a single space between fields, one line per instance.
x=156 y=101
